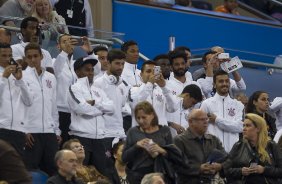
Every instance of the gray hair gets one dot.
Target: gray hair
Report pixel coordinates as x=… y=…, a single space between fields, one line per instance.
x=148 y=178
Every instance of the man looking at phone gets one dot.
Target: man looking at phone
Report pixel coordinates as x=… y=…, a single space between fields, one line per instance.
x=15 y=96
x=211 y=62
x=31 y=34
x=154 y=90
x=177 y=83
x=199 y=148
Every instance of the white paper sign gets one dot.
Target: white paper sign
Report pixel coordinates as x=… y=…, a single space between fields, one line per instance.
x=232 y=65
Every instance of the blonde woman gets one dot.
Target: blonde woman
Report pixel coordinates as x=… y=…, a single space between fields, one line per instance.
x=255 y=159
x=52 y=24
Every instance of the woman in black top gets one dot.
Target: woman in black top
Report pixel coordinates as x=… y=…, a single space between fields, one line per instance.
x=259 y=103
x=255 y=159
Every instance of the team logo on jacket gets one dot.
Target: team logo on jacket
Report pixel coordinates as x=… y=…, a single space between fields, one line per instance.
x=49 y=83
x=96 y=93
x=231 y=112
x=174 y=92
x=159 y=97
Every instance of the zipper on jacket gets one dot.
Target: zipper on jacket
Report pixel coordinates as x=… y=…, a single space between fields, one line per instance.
x=11 y=104
x=223 y=114
x=41 y=86
x=71 y=72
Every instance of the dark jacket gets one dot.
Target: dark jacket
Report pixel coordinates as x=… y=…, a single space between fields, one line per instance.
x=242 y=154
x=59 y=179
x=197 y=152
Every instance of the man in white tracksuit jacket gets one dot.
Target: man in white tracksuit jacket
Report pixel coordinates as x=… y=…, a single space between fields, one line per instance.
x=153 y=90
x=89 y=105
x=225 y=114
x=43 y=133
x=15 y=96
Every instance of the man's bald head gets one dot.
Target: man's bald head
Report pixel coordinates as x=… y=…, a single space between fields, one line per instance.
x=198 y=121
x=5 y=36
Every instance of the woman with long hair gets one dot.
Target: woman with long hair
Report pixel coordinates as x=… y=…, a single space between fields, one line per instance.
x=255 y=159
x=259 y=104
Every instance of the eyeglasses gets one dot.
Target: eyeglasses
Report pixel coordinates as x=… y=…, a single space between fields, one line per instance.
x=78 y=147
x=201 y=119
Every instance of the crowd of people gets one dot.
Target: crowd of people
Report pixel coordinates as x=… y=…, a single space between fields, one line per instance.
x=99 y=119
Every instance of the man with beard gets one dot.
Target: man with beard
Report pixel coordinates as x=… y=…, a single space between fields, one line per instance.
x=212 y=64
x=31 y=34
x=17 y=9
x=225 y=114
x=176 y=84
x=162 y=60
x=111 y=83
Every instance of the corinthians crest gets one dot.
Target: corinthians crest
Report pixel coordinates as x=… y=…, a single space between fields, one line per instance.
x=231 y=111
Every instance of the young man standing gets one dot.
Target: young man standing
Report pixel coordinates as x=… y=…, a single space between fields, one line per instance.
x=225 y=114
x=43 y=133
x=15 y=97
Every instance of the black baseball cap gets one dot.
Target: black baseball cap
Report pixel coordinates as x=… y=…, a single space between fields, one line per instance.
x=84 y=60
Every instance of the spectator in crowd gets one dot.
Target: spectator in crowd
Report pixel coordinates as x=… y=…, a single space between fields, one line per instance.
x=31 y=34
x=111 y=83
x=65 y=75
x=85 y=173
x=189 y=97
x=102 y=53
x=51 y=24
x=153 y=178
x=89 y=107
x=177 y=82
x=187 y=51
x=77 y=13
x=144 y=143
x=255 y=158
x=66 y=162
x=243 y=98
x=5 y=36
x=187 y=3
x=153 y=90
x=130 y=73
x=43 y=133
x=17 y=9
x=211 y=65
x=229 y=6
x=259 y=104
x=130 y=76
x=276 y=108
x=200 y=149
x=119 y=164
x=15 y=98
x=12 y=168
x=225 y=114
x=162 y=60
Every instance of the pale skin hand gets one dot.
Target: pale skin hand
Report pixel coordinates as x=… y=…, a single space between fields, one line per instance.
x=159 y=79
x=207 y=168
x=86 y=44
x=209 y=70
x=153 y=148
x=143 y=143
x=13 y=69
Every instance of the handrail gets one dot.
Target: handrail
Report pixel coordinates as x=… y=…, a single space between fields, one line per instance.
x=277 y=2
x=195 y=61
x=198 y=61
x=95 y=40
x=255 y=11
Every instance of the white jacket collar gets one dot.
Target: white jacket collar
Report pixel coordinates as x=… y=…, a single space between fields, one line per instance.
x=29 y=69
x=221 y=97
x=129 y=66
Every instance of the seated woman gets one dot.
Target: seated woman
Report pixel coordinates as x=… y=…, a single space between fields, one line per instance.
x=146 y=143
x=259 y=104
x=119 y=165
x=255 y=159
x=88 y=174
